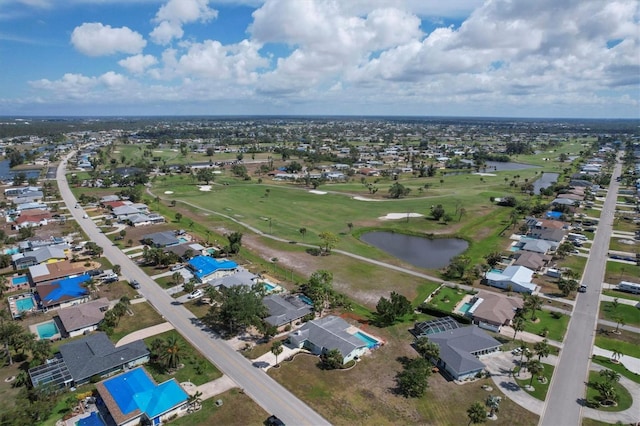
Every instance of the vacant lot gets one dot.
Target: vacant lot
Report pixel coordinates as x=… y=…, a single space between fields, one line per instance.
x=237 y=409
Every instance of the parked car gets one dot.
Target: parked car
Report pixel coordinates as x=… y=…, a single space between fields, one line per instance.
x=177 y=267
x=135 y=284
x=195 y=294
x=274 y=421
x=95 y=272
x=583 y=289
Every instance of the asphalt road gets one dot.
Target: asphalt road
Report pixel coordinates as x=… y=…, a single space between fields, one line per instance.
x=265 y=391
x=565 y=398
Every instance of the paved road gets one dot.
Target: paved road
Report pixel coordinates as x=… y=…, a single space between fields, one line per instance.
x=265 y=391
x=564 y=402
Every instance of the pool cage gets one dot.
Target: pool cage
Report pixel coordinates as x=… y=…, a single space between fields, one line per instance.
x=437 y=325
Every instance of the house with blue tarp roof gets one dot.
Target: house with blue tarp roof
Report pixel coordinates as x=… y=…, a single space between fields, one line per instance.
x=65 y=292
x=207 y=268
x=134 y=397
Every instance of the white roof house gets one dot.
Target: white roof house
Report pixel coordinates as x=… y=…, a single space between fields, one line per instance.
x=518 y=278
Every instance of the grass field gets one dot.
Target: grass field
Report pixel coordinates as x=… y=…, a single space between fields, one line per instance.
x=620 y=368
x=539 y=388
x=629 y=348
x=624 y=402
x=237 y=409
x=617 y=272
x=556 y=326
x=447 y=298
x=143 y=316
x=629 y=314
x=622 y=294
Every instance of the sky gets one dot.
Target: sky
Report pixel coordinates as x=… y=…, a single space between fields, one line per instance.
x=493 y=58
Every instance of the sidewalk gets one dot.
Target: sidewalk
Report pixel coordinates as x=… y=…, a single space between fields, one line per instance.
x=144 y=333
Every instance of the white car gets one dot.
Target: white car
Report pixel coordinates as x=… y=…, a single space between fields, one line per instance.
x=177 y=267
x=195 y=294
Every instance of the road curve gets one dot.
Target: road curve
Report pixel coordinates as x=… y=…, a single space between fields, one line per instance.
x=266 y=392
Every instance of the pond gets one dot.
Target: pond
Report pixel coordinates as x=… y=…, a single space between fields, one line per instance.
x=7 y=174
x=418 y=251
x=545 y=180
x=498 y=166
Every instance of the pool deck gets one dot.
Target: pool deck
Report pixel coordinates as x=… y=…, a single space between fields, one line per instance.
x=13 y=307
x=466 y=299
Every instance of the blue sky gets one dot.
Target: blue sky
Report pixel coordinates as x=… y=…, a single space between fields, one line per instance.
x=548 y=58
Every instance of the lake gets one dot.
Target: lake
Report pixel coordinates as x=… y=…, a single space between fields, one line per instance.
x=545 y=180
x=498 y=166
x=7 y=174
x=418 y=251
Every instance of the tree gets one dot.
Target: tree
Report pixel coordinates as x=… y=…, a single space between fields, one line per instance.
x=533 y=303
x=189 y=286
x=205 y=174
x=397 y=190
x=437 y=212
x=239 y=307
x=619 y=323
x=568 y=286
x=493 y=402
x=303 y=232
x=177 y=278
x=610 y=376
x=117 y=269
x=476 y=413
x=235 y=242
x=607 y=391
x=41 y=351
x=493 y=258
x=319 y=289
x=389 y=310
x=535 y=368
x=616 y=355
x=331 y=359
x=276 y=349
x=426 y=348
x=178 y=216
x=542 y=349
x=517 y=324
x=194 y=402
x=329 y=240
x=412 y=381
x=170 y=352
x=457 y=266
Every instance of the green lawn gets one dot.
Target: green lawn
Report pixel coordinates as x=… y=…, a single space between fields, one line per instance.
x=624 y=402
x=617 y=272
x=556 y=327
x=447 y=298
x=629 y=314
x=143 y=316
x=620 y=368
x=237 y=409
x=622 y=294
x=197 y=369
x=540 y=389
x=626 y=348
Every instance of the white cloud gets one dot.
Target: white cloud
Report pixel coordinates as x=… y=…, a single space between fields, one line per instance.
x=138 y=64
x=175 y=13
x=96 y=39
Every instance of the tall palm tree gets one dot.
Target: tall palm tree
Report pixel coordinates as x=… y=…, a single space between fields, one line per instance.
x=194 y=402
x=610 y=376
x=476 y=413
x=616 y=355
x=276 y=349
x=607 y=391
x=619 y=323
x=493 y=402
x=535 y=368
x=170 y=354
x=542 y=349
x=533 y=303
x=517 y=324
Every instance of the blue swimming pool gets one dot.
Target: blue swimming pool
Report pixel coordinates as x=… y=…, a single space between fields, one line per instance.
x=22 y=279
x=268 y=286
x=183 y=240
x=47 y=330
x=14 y=250
x=25 y=304
x=496 y=271
x=305 y=299
x=465 y=308
x=370 y=341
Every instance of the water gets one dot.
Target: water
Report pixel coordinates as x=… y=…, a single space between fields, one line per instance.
x=305 y=299
x=47 y=330
x=465 y=308
x=370 y=341
x=7 y=174
x=418 y=251
x=22 y=279
x=545 y=180
x=25 y=304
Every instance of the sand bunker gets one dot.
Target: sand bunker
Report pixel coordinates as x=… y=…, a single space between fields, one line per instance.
x=158 y=150
x=364 y=199
x=485 y=174
x=168 y=192
x=394 y=216
x=313 y=191
x=205 y=187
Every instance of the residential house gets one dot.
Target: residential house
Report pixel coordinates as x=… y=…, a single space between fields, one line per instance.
x=63 y=292
x=515 y=278
x=531 y=260
x=537 y=246
x=240 y=277
x=285 y=310
x=161 y=239
x=50 y=254
x=32 y=218
x=207 y=269
x=324 y=334
x=133 y=398
x=491 y=310
x=83 y=318
x=30 y=206
x=47 y=272
x=554 y=235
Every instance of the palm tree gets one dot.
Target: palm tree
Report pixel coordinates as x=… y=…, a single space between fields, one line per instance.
x=616 y=355
x=607 y=391
x=170 y=354
x=476 y=413
x=610 y=376
x=177 y=278
x=535 y=368
x=518 y=325
x=41 y=351
x=427 y=348
x=542 y=349
x=194 y=402
x=619 y=323
x=276 y=349
x=303 y=232
x=493 y=402
x=533 y=303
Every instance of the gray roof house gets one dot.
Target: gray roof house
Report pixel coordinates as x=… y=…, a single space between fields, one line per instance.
x=555 y=235
x=539 y=246
x=95 y=355
x=517 y=278
x=461 y=348
x=84 y=317
x=40 y=255
x=241 y=277
x=531 y=260
x=328 y=333
x=161 y=239
x=284 y=310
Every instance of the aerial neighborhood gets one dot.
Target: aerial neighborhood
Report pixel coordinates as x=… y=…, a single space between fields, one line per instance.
x=318 y=271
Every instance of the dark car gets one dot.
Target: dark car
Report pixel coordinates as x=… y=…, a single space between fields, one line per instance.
x=95 y=272
x=274 y=421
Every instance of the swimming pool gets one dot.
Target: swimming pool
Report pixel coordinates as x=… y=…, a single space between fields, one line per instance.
x=305 y=299
x=14 y=250
x=370 y=341
x=268 y=286
x=496 y=271
x=22 y=279
x=47 y=330
x=25 y=304
x=183 y=240
x=465 y=308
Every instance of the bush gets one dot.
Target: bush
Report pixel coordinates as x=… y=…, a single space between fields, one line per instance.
x=314 y=251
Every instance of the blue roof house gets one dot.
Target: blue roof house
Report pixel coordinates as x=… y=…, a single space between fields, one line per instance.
x=207 y=268
x=134 y=397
